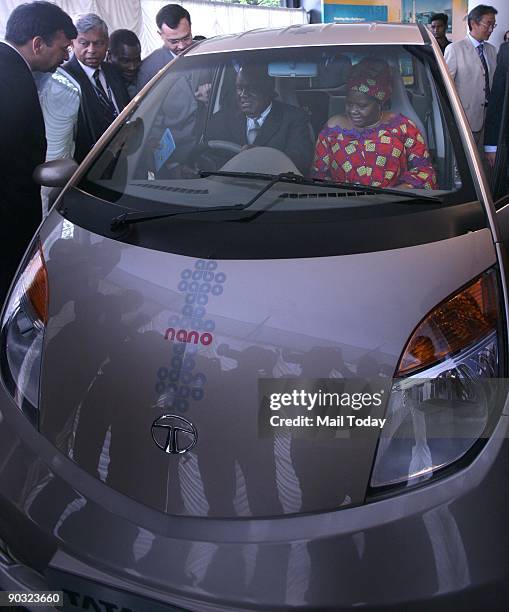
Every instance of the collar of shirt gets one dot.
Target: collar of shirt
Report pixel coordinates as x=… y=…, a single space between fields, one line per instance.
x=260 y=120
x=474 y=41
x=17 y=51
x=90 y=74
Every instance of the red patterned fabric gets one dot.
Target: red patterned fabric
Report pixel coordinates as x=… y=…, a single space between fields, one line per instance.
x=372 y=78
x=389 y=154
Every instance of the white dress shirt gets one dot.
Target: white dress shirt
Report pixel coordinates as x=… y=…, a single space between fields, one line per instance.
x=474 y=41
x=255 y=123
x=90 y=74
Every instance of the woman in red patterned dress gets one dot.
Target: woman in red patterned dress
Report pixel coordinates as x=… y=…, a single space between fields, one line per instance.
x=369 y=146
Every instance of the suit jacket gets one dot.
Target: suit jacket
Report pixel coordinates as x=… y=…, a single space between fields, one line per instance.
x=496 y=100
x=22 y=148
x=466 y=69
x=180 y=111
x=93 y=119
x=286 y=128
x=151 y=65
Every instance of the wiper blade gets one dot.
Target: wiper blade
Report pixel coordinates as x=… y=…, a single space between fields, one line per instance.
x=291 y=177
x=129 y=218
x=283 y=177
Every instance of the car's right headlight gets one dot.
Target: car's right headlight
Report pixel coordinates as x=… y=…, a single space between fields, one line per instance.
x=22 y=332
x=445 y=391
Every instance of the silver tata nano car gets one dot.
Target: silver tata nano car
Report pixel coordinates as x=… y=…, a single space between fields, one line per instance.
x=279 y=218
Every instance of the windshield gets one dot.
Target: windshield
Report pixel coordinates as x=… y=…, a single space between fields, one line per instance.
x=370 y=116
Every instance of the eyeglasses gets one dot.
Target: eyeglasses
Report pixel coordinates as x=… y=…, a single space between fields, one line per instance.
x=247 y=90
x=488 y=26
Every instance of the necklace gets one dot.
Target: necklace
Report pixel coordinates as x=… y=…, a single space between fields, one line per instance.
x=373 y=124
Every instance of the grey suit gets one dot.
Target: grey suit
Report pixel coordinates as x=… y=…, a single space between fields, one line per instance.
x=466 y=69
x=151 y=65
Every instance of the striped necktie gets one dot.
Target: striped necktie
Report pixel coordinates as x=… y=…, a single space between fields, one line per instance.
x=104 y=98
x=480 y=51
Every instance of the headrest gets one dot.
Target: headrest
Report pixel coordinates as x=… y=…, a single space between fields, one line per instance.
x=333 y=71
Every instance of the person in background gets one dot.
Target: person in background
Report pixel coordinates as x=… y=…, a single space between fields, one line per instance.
x=37 y=38
x=199 y=37
x=495 y=105
x=471 y=63
x=506 y=36
x=438 y=23
x=103 y=93
x=125 y=54
x=174 y=28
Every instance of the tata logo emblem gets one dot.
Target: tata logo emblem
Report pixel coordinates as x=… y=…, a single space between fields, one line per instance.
x=173 y=434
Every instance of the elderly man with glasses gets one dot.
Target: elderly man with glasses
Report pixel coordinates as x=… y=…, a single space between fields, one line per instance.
x=471 y=62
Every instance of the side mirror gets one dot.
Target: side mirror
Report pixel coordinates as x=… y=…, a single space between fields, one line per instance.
x=55 y=173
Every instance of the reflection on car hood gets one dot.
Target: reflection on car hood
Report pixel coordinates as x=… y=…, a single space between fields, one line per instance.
x=112 y=364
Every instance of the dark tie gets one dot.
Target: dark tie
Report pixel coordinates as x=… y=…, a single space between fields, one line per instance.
x=480 y=51
x=104 y=98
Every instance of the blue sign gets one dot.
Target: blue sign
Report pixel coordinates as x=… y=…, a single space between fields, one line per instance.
x=353 y=13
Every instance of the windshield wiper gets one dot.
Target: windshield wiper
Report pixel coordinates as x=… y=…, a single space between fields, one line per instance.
x=128 y=218
x=291 y=177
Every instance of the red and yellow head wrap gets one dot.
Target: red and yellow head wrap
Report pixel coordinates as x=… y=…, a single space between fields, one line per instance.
x=373 y=78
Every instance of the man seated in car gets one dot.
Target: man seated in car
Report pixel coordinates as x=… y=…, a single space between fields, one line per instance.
x=262 y=121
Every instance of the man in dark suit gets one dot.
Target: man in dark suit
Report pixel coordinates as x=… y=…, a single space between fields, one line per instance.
x=125 y=54
x=37 y=38
x=103 y=93
x=495 y=104
x=262 y=121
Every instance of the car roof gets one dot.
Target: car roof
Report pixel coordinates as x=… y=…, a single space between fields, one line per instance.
x=368 y=33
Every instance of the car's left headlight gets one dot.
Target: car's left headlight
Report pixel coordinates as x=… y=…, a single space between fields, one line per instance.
x=22 y=333
x=447 y=389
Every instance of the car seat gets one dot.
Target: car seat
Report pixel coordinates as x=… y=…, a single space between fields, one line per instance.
x=400 y=102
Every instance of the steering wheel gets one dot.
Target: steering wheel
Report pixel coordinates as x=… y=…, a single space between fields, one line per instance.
x=213 y=154
x=224 y=145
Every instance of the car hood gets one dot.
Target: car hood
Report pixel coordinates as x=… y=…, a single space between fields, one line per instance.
x=135 y=334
